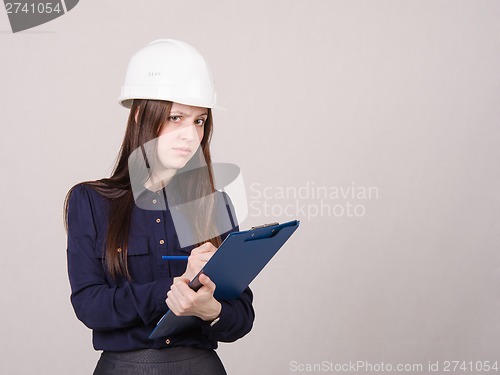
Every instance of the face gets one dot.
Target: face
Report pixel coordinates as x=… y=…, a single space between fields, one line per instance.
x=181 y=135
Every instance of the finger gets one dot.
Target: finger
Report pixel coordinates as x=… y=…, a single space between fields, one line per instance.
x=172 y=302
x=184 y=291
x=181 y=280
x=207 y=282
x=173 y=296
x=206 y=247
x=177 y=289
x=202 y=257
x=177 y=302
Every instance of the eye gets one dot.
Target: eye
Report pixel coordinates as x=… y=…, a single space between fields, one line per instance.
x=174 y=118
x=200 y=122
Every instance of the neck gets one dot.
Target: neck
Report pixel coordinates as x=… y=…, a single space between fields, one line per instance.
x=159 y=180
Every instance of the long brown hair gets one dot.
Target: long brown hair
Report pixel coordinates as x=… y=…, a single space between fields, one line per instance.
x=151 y=115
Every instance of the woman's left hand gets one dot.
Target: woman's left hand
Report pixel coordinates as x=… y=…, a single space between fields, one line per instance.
x=183 y=300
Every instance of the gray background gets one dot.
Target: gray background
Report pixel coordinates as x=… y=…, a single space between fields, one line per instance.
x=399 y=95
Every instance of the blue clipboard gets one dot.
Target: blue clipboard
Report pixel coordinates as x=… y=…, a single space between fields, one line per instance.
x=237 y=261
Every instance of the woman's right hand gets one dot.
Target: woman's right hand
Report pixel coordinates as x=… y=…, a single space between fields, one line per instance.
x=199 y=257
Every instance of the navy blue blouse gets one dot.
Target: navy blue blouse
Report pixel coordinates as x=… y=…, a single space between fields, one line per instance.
x=123 y=313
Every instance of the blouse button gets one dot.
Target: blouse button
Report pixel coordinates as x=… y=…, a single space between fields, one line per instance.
x=158 y=220
x=167 y=341
x=154 y=201
x=162 y=242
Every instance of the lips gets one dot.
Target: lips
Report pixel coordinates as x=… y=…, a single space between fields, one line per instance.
x=183 y=150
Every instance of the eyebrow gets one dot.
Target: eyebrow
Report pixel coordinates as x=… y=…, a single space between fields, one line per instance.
x=184 y=114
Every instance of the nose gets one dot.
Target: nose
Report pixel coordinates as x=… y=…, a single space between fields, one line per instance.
x=187 y=133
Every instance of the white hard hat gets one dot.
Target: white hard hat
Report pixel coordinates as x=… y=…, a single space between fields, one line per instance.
x=168 y=69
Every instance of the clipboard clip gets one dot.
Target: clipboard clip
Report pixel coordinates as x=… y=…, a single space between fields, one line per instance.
x=264 y=225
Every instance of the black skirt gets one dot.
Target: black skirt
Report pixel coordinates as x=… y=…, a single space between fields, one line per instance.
x=177 y=360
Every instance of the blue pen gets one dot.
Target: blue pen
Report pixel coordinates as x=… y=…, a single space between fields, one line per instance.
x=174 y=257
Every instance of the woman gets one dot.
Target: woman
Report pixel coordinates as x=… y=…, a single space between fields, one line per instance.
x=160 y=200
